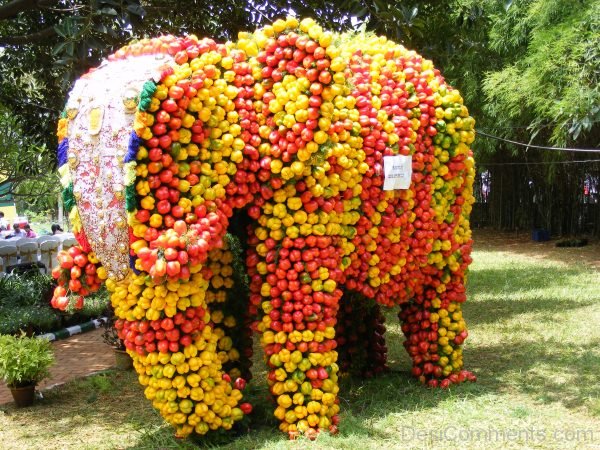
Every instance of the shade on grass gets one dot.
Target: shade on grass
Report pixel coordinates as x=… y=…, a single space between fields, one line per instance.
x=533 y=344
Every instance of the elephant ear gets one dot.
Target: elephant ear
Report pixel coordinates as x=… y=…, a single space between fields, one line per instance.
x=98 y=150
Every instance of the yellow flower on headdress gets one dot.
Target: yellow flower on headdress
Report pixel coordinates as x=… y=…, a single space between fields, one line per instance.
x=63 y=128
x=65 y=175
x=75 y=220
x=138 y=124
x=129 y=173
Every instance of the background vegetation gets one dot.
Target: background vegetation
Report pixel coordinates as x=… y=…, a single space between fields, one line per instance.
x=25 y=305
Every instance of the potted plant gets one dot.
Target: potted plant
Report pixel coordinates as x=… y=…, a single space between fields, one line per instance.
x=111 y=337
x=24 y=362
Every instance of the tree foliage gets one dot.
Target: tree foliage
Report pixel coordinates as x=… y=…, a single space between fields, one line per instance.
x=45 y=45
x=25 y=164
x=550 y=74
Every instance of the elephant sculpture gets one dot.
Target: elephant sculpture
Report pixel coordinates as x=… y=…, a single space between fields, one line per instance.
x=277 y=184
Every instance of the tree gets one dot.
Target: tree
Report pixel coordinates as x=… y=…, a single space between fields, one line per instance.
x=45 y=44
x=541 y=88
x=549 y=81
x=25 y=164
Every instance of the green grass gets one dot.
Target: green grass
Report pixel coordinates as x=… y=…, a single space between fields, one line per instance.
x=534 y=344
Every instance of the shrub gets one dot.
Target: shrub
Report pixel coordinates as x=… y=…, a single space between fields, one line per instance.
x=30 y=318
x=24 y=360
x=28 y=289
x=25 y=305
x=95 y=304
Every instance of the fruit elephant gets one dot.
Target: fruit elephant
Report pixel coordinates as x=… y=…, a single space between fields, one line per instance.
x=260 y=185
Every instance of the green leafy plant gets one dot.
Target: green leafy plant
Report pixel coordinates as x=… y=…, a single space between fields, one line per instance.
x=25 y=290
x=25 y=305
x=24 y=360
x=31 y=318
x=95 y=305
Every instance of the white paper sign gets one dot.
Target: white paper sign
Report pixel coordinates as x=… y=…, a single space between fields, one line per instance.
x=397 y=171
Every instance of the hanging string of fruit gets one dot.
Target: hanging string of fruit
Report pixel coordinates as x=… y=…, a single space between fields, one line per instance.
x=376 y=347
x=77 y=275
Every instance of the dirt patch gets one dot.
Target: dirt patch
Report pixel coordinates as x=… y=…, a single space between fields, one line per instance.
x=521 y=243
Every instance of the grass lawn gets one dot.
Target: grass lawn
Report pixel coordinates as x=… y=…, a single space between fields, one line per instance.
x=534 y=344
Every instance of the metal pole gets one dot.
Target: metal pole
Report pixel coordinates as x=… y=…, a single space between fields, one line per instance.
x=60 y=211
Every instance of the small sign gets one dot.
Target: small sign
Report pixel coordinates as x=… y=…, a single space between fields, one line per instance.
x=397 y=172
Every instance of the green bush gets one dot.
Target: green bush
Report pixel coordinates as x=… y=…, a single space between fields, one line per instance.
x=30 y=318
x=24 y=360
x=95 y=304
x=29 y=289
x=25 y=305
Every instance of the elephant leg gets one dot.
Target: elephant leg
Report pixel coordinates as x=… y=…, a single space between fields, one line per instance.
x=185 y=380
x=359 y=333
x=376 y=347
x=350 y=336
x=227 y=298
x=351 y=354
x=294 y=287
x=435 y=330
